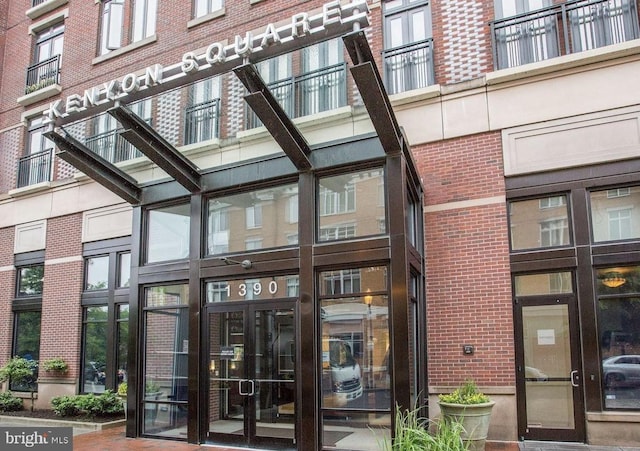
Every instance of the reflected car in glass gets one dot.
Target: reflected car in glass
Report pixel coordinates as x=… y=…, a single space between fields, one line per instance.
x=341 y=372
x=621 y=371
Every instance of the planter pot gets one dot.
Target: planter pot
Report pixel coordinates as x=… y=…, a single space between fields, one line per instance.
x=474 y=419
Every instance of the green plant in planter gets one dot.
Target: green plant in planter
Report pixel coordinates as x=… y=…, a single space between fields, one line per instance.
x=55 y=365
x=466 y=394
x=21 y=371
x=151 y=387
x=472 y=409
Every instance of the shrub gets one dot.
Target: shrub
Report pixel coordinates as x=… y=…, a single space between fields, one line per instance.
x=9 y=403
x=19 y=370
x=65 y=406
x=104 y=404
x=466 y=394
x=55 y=364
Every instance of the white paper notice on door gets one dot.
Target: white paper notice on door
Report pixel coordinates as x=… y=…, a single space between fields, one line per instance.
x=546 y=337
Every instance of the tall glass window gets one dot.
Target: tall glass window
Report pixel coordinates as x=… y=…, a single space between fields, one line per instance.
x=254 y=220
x=354 y=310
x=26 y=344
x=166 y=326
x=539 y=223
x=122 y=334
x=618 y=313
x=168 y=233
x=615 y=214
x=144 y=19
x=349 y=205
x=94 y=360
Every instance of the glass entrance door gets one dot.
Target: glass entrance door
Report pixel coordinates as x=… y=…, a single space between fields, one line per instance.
x=549 y=378
x=252 y=374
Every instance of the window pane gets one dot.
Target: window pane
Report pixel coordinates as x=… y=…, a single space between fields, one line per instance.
x=615 y=214
x=97 y=273
x=355 y=342
x=112 y=24
x=95 y=349
x=167 y=295
x=30 y=280
x=350 y=205
x=123 y=345
x=168 y=236
x=236 y=223
x=619 y=329
x=539 y=223
x=539 y=284
x=166 y=370
x=124 y=269
x=27 y=344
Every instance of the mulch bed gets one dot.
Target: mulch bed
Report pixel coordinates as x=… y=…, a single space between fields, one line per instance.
x=50 y=415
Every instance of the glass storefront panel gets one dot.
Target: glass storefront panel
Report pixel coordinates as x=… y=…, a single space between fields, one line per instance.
x=27 y=345
x=166 y=371
x=97 y=273
x=355 y=339
x=541 y=284
x=357 y=431
x=615 y=214
x=95 y=349
x=122 y=324
x=352 y=205
x=168 y=233
x=619 y=335
x=259 y=219
x=273 y=287
x=539 y=223
x=124 y=270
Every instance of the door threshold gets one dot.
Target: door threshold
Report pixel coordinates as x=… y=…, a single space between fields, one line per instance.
x=541 y=445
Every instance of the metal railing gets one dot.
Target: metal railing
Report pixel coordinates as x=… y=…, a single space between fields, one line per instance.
x=112 y=147
x=314 y=92
x=37 y=2
x=570 y=27
x=43 y=74
x=35 y=168
x=409 y=66
x=202 y=121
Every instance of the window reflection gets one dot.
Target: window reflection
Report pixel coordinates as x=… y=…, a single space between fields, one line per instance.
x=95 y=349
x=97 y=273
x=168 y=235
x=618 y=325
x=539 y=223
x=615 y=214
x=351 y=205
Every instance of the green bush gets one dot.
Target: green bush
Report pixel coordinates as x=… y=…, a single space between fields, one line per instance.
x=105 y=404
x=9 y=403
x=65 y=406
x=466 y=394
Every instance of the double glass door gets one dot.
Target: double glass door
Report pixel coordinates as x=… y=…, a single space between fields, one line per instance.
x=252 y=373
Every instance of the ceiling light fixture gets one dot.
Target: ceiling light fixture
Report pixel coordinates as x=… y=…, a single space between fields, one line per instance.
x=613 y=280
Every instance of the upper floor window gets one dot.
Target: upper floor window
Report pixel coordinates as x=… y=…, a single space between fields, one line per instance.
x=202 y=116
x=114 y=21
x=615 y=214
x=539 y=223
x=30 y=280
x=408 y=44
x=203 y=7
x=47 y=58
x=35 y=166
x=323 y=84
x=112 y=25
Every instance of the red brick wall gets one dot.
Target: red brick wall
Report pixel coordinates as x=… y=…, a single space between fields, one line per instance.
x=467 y=262
x=7 y=282
x=61 y=311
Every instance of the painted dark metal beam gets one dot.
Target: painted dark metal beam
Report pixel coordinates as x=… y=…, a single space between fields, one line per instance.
x=374 y=95
x=274 y=118
x=157 y=149
x=82 y=158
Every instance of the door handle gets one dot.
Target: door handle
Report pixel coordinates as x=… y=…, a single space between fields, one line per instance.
x=253 y=386
x=574 y=376
x=240 y=382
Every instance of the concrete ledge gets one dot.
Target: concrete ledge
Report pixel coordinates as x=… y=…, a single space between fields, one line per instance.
x=25 y=421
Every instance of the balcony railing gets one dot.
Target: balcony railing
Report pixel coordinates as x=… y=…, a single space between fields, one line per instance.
x=112 y=147
x=35 y=168
x=409 y=66
x=37 y=2
x=570 y=27
x=202 y=121
x=43 y=74
x=321 y=90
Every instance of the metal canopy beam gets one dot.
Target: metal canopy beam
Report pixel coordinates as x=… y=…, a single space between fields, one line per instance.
x=274 y=118
x=369 y=82
x=96 y=167
x=157 y=149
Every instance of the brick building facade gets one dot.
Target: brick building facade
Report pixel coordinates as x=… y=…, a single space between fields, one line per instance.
x=268 y=240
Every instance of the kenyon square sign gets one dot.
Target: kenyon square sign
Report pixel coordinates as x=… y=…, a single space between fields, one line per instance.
x=301 y=30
